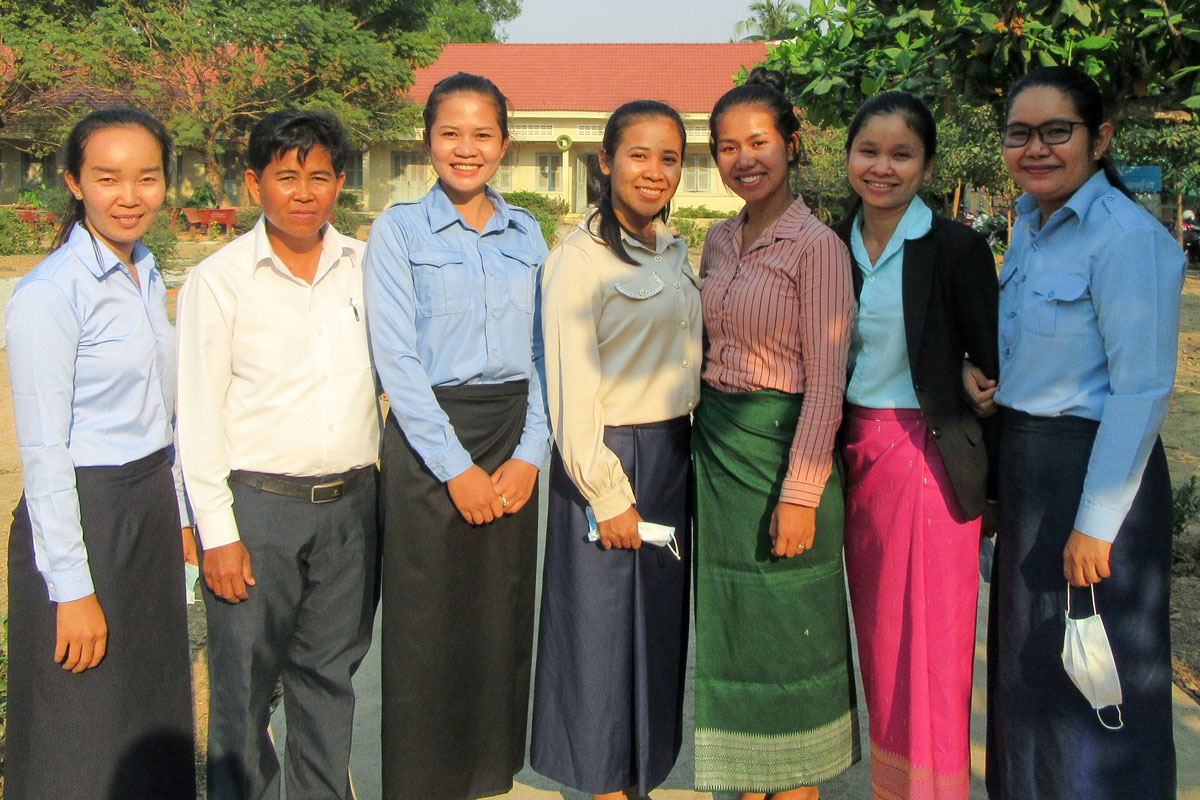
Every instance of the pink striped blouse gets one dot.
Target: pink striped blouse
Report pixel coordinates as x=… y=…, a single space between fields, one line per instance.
x=779 y=317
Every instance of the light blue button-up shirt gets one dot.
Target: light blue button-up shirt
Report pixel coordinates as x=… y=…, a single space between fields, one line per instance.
x=1089 y=327
x=448 y=305
x=92 y=362
x=881 y=376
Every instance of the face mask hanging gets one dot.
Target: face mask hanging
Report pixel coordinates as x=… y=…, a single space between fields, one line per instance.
x=650 y=532
x=1088 y=659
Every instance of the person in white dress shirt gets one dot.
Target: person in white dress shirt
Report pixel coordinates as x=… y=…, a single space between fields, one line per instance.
x=279 y=436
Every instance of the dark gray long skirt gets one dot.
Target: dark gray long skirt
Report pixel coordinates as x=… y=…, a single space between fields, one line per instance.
x=121 y=730
x=1044 y=740
x=612 y=641
x=457 y=612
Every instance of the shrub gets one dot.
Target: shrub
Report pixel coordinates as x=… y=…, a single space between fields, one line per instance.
x=161 y=239
x=700 y=212
x=692 y=232
x=345 y=214
x=15 y=236
x=201 y=197
x=246 y=217
x=1185 y=505
x=546 y=210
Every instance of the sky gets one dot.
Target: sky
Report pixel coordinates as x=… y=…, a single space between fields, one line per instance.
x=543 y=21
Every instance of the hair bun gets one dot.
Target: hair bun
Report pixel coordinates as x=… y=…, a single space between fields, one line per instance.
x=766 y=77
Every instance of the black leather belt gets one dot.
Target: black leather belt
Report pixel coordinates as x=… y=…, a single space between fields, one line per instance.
x=321 y=489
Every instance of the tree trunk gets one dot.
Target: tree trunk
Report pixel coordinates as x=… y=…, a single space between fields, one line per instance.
x=212 y=172
x=957 y=199
x=1179 y=211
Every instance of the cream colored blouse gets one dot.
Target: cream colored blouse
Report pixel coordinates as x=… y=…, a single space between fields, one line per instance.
x=623 y=346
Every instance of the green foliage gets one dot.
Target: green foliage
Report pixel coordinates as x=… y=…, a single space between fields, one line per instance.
x=699 y=212
x=161 y=239
x=246 y=217
x=821 y=175
x=693 y=232
x=1185 y=505
x=843 y=51
x=471 y=20
x=769 y=20
x=15 y=236
x=545 y=210
x=345 y=213
x=31 y=196
x=1167 y=143
x=201 y=197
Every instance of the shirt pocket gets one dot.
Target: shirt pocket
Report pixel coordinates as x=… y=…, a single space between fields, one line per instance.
x=353 y=330
x=1058 y=305
x=440 y=280
x=641 y=287
x=521 y=271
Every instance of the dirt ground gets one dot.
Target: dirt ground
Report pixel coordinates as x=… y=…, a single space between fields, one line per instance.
x=1181 y=436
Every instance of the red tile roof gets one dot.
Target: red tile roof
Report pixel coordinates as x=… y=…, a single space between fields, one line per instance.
x=598 y=77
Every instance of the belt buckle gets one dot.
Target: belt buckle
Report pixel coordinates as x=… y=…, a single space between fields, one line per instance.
x=327 y=492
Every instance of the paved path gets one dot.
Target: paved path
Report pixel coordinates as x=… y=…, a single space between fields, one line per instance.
x=855 y=784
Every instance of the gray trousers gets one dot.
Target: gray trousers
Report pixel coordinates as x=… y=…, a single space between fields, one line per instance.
x=308 y=620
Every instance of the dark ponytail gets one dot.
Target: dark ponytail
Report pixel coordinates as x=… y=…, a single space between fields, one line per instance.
x=1089 y=104
x=607 y=226
x=77 y=140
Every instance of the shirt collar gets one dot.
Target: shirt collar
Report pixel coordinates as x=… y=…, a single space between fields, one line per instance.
x=787 y=226
x=1079 y=203
x=442 y=213
x=663 y=238
x=915 y=223
x=100 y=260
x=332 y=248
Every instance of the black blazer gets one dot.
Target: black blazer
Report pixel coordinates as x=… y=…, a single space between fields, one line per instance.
x=950 y=299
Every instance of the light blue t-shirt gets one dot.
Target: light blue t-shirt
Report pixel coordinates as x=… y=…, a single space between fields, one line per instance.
x=880 y=375
x=1089 y=327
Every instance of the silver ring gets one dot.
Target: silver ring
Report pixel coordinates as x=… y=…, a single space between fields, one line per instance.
x=503 y=501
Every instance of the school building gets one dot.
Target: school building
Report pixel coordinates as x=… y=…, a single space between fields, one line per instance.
x=559 y=97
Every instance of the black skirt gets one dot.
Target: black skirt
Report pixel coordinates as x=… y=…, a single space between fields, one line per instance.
x=1044 y=740
x=612 y=641
x=457 y=612
x=124 y=728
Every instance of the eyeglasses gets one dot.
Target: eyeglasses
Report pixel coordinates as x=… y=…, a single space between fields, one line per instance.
x=1054 y=131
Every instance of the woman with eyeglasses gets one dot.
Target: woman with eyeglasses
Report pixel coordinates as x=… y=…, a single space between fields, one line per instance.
x=1089 y=318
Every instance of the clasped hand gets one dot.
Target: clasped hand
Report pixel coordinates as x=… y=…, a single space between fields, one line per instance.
x=481 y=498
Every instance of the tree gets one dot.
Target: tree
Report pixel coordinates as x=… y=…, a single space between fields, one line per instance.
x=1145 y=54
x=1171 y=144
x=472 y=20
x=769 y=20
x=209 y=69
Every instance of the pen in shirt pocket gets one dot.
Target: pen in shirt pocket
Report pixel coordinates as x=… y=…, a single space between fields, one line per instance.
x=354 y=308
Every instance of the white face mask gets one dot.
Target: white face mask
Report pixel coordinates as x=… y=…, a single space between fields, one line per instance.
x=650 y=532
x=1089 y=662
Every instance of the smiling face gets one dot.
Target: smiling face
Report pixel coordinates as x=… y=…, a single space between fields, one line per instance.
x=1051 y=173
x=297 y=197
x=644 y=171
x=466 y=144
x=122 y=184
x=886 y=163
x=753 y=156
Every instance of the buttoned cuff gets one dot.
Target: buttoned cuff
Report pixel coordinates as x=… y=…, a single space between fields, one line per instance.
x=1099 y=523
x=65 y=585
x=534 y=452
x=217 y=529
x=613 y=502
x=801 y=493
x=450 y=463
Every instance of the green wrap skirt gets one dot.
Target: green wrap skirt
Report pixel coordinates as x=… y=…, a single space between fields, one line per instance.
x=775 y=703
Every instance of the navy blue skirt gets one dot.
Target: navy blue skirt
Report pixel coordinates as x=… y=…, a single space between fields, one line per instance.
x=612 y=641
x=1044 y=740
